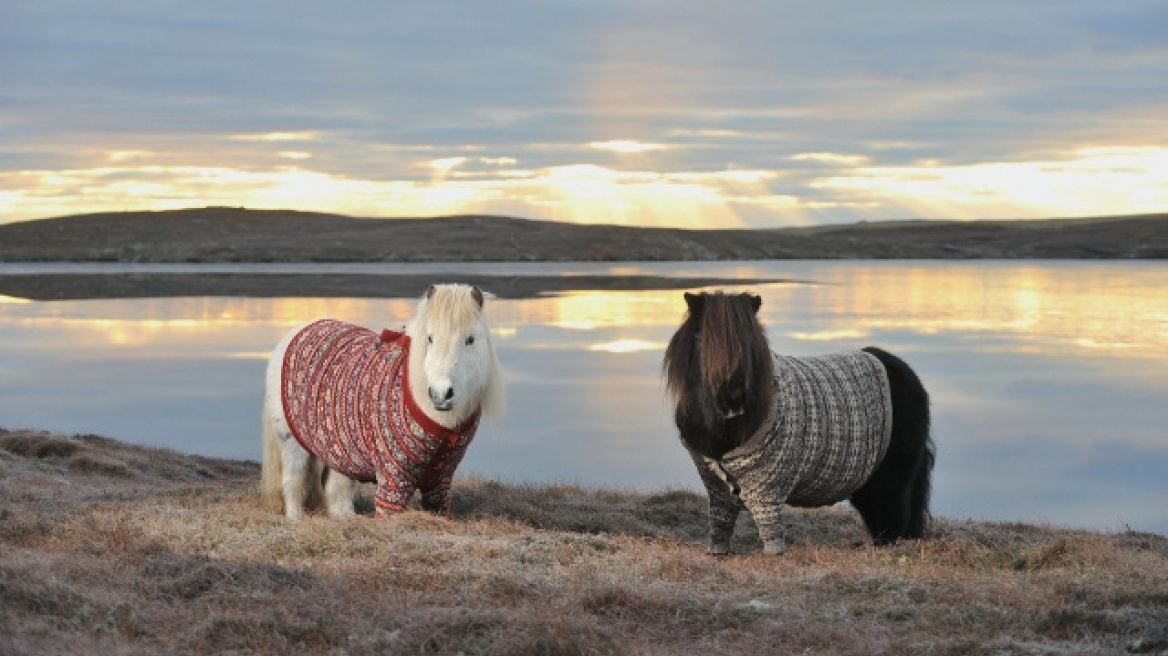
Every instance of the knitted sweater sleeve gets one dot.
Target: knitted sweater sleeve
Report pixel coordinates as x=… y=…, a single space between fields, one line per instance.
x=435 y=488
x=724 y=504
x=392 y=495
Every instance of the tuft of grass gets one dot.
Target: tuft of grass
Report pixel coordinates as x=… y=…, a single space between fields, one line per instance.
x=112 y=548
x=584 y=510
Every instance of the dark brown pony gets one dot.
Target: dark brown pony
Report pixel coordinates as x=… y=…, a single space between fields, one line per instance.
x=719 y=369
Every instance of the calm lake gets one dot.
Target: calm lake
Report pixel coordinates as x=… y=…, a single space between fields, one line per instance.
x=1049 y=380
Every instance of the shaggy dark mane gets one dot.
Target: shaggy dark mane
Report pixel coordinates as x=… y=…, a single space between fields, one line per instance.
x=719 y=339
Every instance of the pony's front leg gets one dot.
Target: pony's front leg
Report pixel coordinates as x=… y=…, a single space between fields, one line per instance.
x=437 y=499
x=391 y=497
x=723 y=517
x=339 y=493
x=724 y=504
x=767 y=514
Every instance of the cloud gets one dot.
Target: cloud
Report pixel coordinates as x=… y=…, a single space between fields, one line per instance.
x=276 y=136
x=625 y=146
x=447 y=164
x=1093 y=181
x=580 y=193
x=845 y=107
x=1098 y=181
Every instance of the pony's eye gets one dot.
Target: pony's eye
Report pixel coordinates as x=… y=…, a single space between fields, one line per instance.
x=470 y=340
x=430 y=339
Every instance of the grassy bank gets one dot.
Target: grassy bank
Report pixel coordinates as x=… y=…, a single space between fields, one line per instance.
x=116 y=549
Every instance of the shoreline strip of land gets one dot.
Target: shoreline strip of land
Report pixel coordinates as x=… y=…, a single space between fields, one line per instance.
x=218 y=235
x=223 y=234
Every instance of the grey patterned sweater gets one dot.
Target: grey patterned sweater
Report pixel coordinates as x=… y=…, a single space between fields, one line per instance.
x=827 y=432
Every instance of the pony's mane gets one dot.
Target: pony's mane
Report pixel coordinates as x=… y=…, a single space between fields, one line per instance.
x=680 y=360
x=731 y=340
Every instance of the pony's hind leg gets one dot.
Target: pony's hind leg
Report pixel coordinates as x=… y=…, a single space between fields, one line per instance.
x=339 y=492
x=885 y=508
x=894 y=503
x=272 y=469
x=289 y=476
x=301 y=480
x=920 y=490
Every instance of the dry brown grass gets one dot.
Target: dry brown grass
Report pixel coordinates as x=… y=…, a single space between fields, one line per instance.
x=107 y=548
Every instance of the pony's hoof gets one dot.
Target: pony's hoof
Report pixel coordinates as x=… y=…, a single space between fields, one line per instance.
x=720 y=550
x=774 y=547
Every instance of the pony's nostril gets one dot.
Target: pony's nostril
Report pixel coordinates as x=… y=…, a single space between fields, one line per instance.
x=441 y=397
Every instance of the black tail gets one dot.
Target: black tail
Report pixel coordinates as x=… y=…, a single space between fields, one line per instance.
x=894 y=503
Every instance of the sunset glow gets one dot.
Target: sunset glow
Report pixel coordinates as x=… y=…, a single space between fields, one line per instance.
x=1040 y=307
x=1094 y=181
x=626 y=146
x=745 y=116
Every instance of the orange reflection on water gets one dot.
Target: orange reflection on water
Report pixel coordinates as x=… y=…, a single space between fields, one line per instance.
x=1045 y=307
x=1111 y=308
x=199 y=326
x=589 y=310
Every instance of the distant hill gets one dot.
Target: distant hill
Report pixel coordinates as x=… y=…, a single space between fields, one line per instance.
x=219 y=234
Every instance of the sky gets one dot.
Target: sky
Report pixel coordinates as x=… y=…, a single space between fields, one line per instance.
x=633 y=112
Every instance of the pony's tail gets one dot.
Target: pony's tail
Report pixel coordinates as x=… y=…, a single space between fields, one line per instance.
x=894 y=503
x=272 y=469
x=920 y=491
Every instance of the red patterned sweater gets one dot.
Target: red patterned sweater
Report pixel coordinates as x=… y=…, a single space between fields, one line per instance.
x=347 y=400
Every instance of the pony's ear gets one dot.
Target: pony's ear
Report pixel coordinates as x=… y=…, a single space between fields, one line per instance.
x=430 y=291
x=755 y=301
x=477 y=295
x=695 y=302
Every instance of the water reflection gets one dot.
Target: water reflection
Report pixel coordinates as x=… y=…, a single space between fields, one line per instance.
x=1045 y=308
x=1048 y=380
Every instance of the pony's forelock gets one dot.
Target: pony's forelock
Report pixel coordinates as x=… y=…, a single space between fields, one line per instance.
x=447 y=308
x=728 y=333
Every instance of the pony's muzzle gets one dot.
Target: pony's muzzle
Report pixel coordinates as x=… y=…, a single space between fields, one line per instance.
x=441 y=398
x=731 y=413
x=731 y=401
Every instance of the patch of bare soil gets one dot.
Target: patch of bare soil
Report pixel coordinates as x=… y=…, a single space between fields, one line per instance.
x=108 y=548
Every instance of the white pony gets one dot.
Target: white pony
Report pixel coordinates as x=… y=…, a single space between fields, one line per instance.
x=394 y=408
